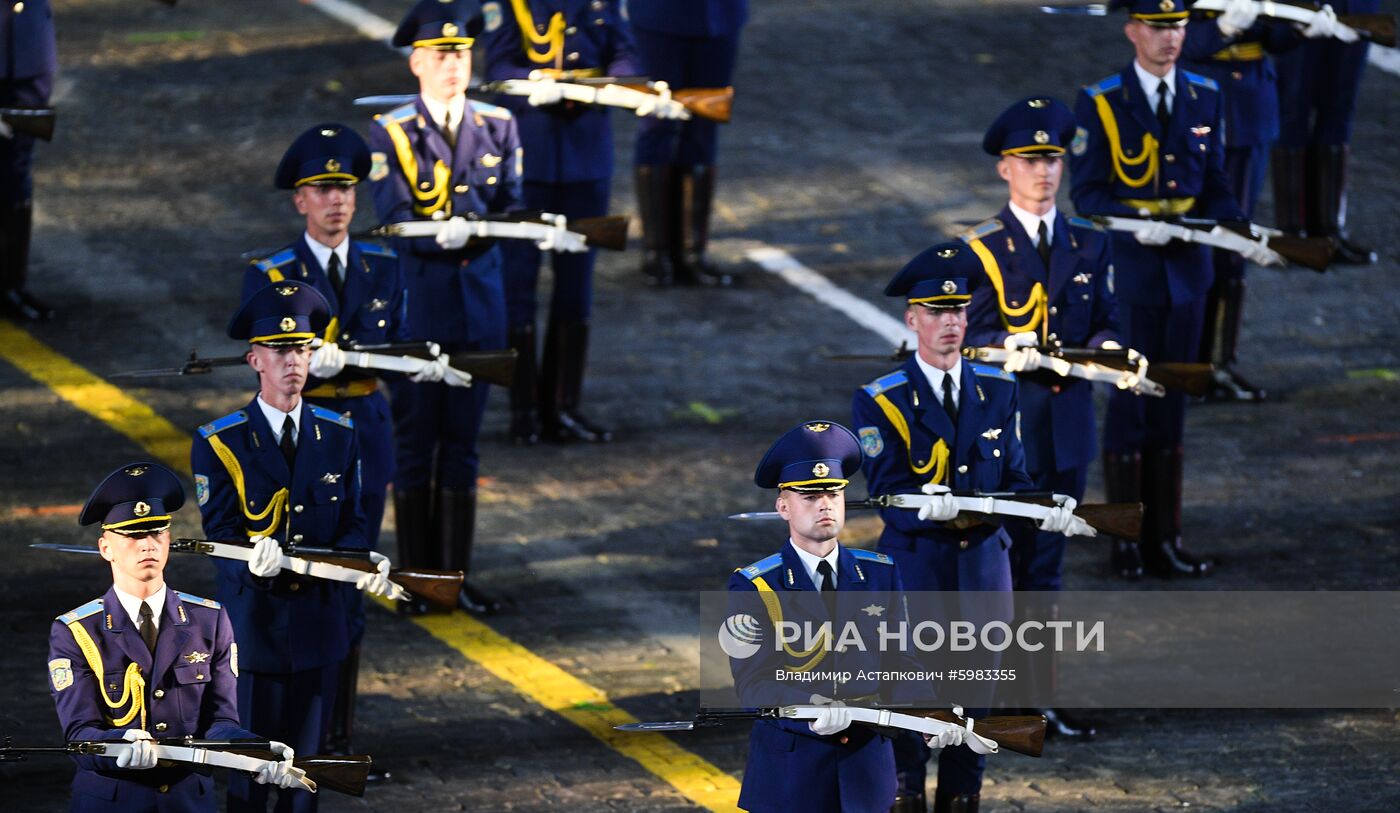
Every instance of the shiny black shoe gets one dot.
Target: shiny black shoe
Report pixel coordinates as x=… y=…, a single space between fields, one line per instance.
x=524 y=428
x=1229 y=385
x=1349 y=253
x=1126 y=560
x=378 y=776
x=568 y=426
x=474 y=600
x=908 y=802
x=22 y=306
x=1059 y=724
x=414 y=606
x=1166 y=560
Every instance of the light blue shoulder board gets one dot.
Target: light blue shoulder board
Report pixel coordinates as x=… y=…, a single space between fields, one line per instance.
x=992 y=371
x=91 y=608
x=762 y=566
x=277 y=260
x=215 y=427
x=886 y=383
x=332 y=416
x=1083 y=223
x=870 y=556
x=491 y=110
x=1104 y=85
x=981 y=230
x=1201 y=81
x=190 y=598
x=375 y=250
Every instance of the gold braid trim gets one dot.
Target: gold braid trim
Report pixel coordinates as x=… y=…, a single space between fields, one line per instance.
x=425 y=201
x=275 y=507
x=938 y=455
x=133 y=685
x=552 y=39
x=1037 y=306
x=775 y=614
x=1121 y=161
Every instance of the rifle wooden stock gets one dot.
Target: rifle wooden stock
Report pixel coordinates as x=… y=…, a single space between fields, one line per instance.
x=345 y=774
x=1378 y=28
x=36 y=122
x=437 y=587
x=707 y=103
x=1309 y=252
x=1192 y=378
x=1120 y=519
x=608 y=232
x=492 y=366
x=1022 y=734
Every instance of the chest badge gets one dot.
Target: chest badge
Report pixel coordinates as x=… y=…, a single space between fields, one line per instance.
x=488 y=160
x=874 y=610
x=1083 y=279
x=330 y=479
x=1203 y=130
x=992 y=434
x=197 y=657
x=378 y=304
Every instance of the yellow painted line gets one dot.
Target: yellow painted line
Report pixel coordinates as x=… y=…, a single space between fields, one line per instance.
x=96 y=397
x=532 y=676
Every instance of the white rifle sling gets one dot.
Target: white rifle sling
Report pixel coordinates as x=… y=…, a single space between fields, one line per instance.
x=1217 y=237
x=1135 y=381
x=983 y=505
x=1278 y=11
x=893 y=719
x=397 y=364
x=303 y=567
x=204 y=756
x=558 y=235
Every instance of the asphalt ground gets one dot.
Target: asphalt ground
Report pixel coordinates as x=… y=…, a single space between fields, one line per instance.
x=854 y=145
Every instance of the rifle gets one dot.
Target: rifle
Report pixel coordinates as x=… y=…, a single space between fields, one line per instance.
x=562 y=234
x=37 y=121
x=1022 y=734
x=437 y=587
x=491 y=366
x=627 y=92
x=1123 y=520
x=342 y=774
x=1377 y=28
x=1309 y=252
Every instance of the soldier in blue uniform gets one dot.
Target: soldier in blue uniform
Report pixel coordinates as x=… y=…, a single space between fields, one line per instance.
x=1318 y=84
x=443 y=157
x=145 y=660
x=687 y=44
x=282 y=468
x=568 y=171
x=821 y=765
x=1149 y=145
x=1233 y=48
x=364 y=288
x=28 y=61
x=1046 y=279
x=941 y=422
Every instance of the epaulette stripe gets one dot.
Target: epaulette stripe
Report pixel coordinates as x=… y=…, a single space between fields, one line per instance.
x=983 y=229
x=375 y=249
x=332 y=416
x=277 y=260
x=1203 y=81
x=887 y=382
x=988 y=371
x=190 y=598
x=871 y=556
x=1083 y=223
x=215 y=427
x=762 y=566
x=1104 y=85
x=492 y=110
x=91 y=608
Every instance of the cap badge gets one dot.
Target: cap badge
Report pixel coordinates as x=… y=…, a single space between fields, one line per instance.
x=1038 y=103
x=137 y=471
x=949 y=286
x=1166 y=5
x=1041 y=137
x=818 y=427
x=450 y=29
x=287 y=290
x=332 y=165
x=820 y=470
x=141 y=509
x=945 y=253
x=330 y=132
x=288 y=324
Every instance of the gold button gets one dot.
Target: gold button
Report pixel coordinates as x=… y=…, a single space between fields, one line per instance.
x=573 y=56
x=996 y=453
x=1015 y=304
x=1171 y=159
x=199 y=677
x=539 y=27
x=345 y=337
x=296 y=537
x=334 y=498
x=1054 y=311
x=1236 y=75
x=571 y=30
x=845 y=739
x=19 y=7
x=298 y=508
x=962 y=469
x=161 y=726
x=963 y=544
x=382 y=323
x=460 y=188
x=424 y=185
x=159 y=693
x=294 y=586
x=491 y=181
x=164 y=788
x=1171 y=184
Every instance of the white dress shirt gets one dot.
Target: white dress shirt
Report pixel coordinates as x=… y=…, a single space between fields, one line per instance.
x=1031 y=223
x=1150 y=83
x=810 y=562
x=448 y=117
x=132 y=605
x=276 y=417
x=935 y=378
x=323 y=252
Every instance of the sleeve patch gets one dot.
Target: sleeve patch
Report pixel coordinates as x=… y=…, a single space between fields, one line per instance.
x=1080 y=142
x=871 y=442
x=61 y=673
x=491 y=12
x=233 y=658
x=379 y=166
x=201 y=489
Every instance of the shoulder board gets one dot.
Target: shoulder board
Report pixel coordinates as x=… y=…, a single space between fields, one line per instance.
x=886 y=382
x=277 y=260
x=189 y=598
x=491 y=110
x=1104 y=85
x=332 y=416
x=91 y=608
x=1083 y=223
x=762 y=566
x=215 y=427
x=983 y=229
x=870 y=556
x=992 y=371
x=375 y=250
x=1200 y=81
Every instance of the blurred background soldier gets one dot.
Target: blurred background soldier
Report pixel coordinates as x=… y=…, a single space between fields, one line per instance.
x=687 y=44
x=568 y=171
x=28 y=61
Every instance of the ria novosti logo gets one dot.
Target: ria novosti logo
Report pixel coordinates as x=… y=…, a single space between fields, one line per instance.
x=740 y=636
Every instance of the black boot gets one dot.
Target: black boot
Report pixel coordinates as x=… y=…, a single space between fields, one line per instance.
x=342 y=734
x=1162 y=553
x=908 y=802
x=1122 y=481
x=456 y=532
x=1041 y=670
x=561 y=386
x=1329 y=205
x=697 y=199
x=524 y=424
x=16 y=225
x=413 y=526
x=1225 y=309
x=1290 y=171
x=656 y=207
x=960 y=803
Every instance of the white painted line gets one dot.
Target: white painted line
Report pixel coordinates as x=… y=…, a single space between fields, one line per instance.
x=779 y=262
x=371 y=26
x=1387 y=59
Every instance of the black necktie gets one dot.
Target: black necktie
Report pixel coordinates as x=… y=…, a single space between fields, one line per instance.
x=828 y=586
x=289 y=445
x=1164 y=115
x=148 y=627
x=336 y=272
x=1044 y=245
x=950 y=403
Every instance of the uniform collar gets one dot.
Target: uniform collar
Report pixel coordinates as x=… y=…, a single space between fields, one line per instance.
x=323 y=252
x=276 y=417
x=1149 y=84
x=132 y=605
x=934 y=376
x=810 y=563
x=440 y=112
x=1031 y=222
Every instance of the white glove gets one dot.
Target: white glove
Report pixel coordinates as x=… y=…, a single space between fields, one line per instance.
x=1110 y=344
x=283 y=773
x=1061 y=520
x=1325 y=24
x=948 y=737
x=1157 y=233
x=1026 y=358
x=327 y=361
x=432 y=371
x=1263 y=255
x=456 y=378
x=267 y=557
x=141 y=754
x=455 y=233
x=835 y=717
x=559 y=238
x=661 y=105
x=545 y=91
x=5 y=130
x=1238 y=15
x=1026 y=338
x=376 y=583
x=942 y=507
